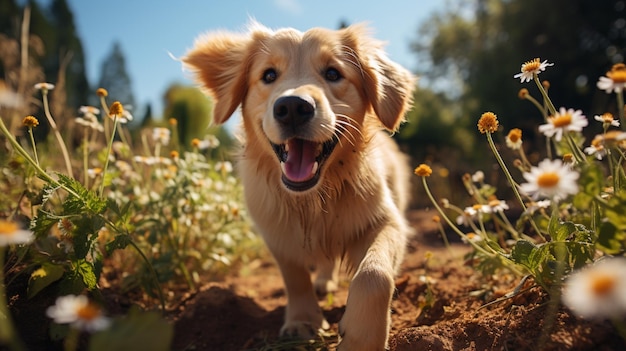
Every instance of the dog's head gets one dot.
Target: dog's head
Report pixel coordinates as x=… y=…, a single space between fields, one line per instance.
x=305 y=95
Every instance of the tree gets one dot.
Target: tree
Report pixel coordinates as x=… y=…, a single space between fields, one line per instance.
x=193 y=112
x=114 y=77
x=476 y=49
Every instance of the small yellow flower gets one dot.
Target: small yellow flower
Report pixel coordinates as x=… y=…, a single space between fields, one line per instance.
x=436 y=219
x=195 y=142
x=173 y=121
x=423 y=170
x=30 y=121
x=102 y=92
x=116 y=109
x=568 y=158
x=545 y=84
x=488 y=122
x=514 y=139
x=174 y=154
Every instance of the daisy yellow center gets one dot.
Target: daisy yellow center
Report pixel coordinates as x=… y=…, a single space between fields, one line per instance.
x=531 y=66
x=548 y=180
x=7 y=228
x=602 y=284
x=562 y=120
x=617 y=76
x=88 y=312
x=471 y=236
x=515 y=135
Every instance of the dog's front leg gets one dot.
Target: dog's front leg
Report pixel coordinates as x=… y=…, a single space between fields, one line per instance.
x=366 y=321
x=303 y=317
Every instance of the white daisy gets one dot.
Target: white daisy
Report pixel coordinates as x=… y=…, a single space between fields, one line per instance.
x=10 y=234
x=161 y=135
x=44 y=86
x=599 y=290
x=79 y=312
x=498 y=205
x=530 y=68
x=562 y=121
x=552 y=179
x=514 y=139
x=615 y=79
x=597 y=147
x=607 y=120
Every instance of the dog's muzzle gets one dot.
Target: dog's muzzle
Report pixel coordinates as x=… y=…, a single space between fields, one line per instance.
x=301 y=160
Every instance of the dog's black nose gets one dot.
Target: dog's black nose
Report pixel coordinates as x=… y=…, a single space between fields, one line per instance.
x=294 y=111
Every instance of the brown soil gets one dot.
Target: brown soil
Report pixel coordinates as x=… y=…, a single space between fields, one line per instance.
x=442 y=303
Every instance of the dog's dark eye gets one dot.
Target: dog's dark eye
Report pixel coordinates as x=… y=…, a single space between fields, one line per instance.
x=269 y=76
x=332 y=75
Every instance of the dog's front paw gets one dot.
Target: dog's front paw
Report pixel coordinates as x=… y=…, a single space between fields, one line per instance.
x=352 y=340
x=302 y=330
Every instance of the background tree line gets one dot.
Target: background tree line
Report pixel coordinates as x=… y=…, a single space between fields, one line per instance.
x=466 y=57
x=469 y=53
x=55 y=54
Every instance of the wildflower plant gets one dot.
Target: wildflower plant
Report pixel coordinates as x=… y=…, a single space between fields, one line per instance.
x=154 y=212
x=573 y=203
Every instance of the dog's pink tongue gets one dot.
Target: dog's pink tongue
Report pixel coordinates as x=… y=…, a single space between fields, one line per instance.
x=300 y=160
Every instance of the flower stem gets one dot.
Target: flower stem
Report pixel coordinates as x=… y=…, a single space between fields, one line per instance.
x=153 y=272
x=454 y=227
x=86 y=158
x=106 y=160
x=620 y=108
x=57 y=134
x=8 y=335
x=546 y=98
x=511 y=180
x=32 y=142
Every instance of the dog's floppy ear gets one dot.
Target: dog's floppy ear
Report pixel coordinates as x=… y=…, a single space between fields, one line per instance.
x=219 y=63
x=388 y=86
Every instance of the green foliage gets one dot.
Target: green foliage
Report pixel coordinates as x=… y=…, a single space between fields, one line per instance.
x=582 y=216
x=155 y=222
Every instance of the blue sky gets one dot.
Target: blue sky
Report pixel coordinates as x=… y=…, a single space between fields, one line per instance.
x=148 y=30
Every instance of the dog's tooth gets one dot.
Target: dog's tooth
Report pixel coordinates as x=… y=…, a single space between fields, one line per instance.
x=287 y=147
x=318 y=151
x=282 y=167
x=316 y=165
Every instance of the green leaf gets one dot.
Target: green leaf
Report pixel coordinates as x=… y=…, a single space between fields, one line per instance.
x=609 y=238
x=41 y=224
x=521 y=252
x=85 y=233
x=138 y=331
x=42 y=277
x=120 y=242
x=87 y=273
x=86 y=200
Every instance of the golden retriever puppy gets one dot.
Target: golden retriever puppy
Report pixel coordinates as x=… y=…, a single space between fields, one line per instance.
x=322 y=179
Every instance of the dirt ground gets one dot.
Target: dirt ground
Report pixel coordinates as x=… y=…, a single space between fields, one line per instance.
x=442 y=303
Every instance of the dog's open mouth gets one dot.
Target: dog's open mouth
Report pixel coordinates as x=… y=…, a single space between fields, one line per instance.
x=301 y=161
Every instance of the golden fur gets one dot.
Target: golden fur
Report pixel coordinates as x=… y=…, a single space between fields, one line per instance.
x=318 y=101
